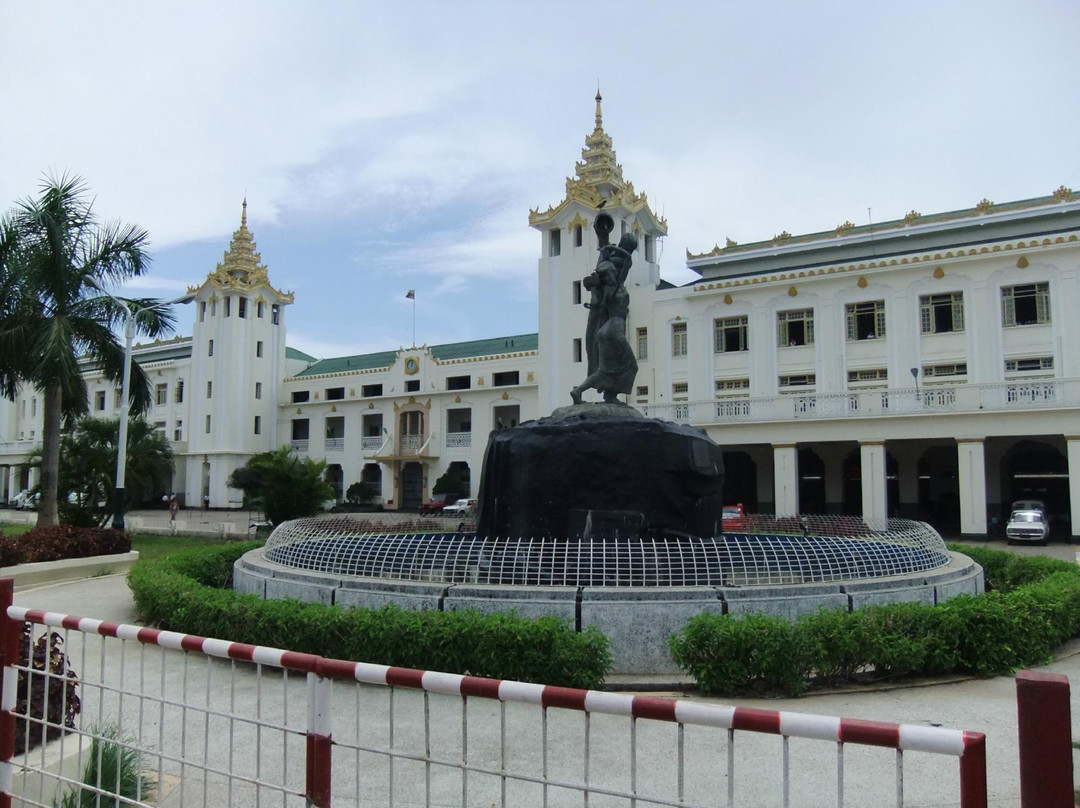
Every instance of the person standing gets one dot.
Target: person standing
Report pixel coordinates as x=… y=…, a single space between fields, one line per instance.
x=174 y=506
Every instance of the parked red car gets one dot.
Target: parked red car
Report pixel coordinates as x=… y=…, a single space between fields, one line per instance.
x=438 y=502
x=734 y=518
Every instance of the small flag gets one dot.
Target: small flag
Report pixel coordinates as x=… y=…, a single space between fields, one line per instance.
x=410 y=295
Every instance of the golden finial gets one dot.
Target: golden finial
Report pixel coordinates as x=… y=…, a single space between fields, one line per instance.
x=243 y=215
x=599 y=116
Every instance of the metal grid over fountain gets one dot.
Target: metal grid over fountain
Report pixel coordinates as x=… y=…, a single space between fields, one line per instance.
x=767 y=551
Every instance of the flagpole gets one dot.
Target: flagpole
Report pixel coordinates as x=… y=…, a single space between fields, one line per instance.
x=411 y=295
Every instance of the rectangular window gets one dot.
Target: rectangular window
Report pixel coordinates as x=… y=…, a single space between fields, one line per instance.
x=209 y=389
x=650 y=249
x=258 y=424
x=554 y=242
x=732 y=387
x=575 y=350
x=941 y=314
x=504 y=379
x=161 y=427
x=1025 y=305
x=179 y=396
x=118 y=397
x=258 y=389
x=213 y=308
x=300 y=396
x=202 y=312
x=207 y=424
x=412 y=385
x=937 y=371
x=258 y=349
x=458 y=382
x=33 y=407
x=161 y=394
x=678 y=339
x=241 y=307
x=576 y=295
x=643 y=343
x=642 y=391
x=1034 y=364
x=178 y=431
x=868 y=375
x=680 y=391
x=731 y=334
x=259 y=309
x=275 y=314
x=577 y=235
x=228 y=306
x=210 y=348
x=794 y=328
x=371 y=390
x=335 y=393
x=99 y=401
x=798 y=380
x=865 y=320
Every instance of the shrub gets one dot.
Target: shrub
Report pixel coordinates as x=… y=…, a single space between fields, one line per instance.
x=62 y=541
x=34 y=691
x=114 y=765
x=185 y=593
x=1033 y=608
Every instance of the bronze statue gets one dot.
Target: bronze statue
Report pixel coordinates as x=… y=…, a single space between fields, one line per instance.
x=611 y=363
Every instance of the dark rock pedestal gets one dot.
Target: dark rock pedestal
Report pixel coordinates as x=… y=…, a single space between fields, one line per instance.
x=600 y=471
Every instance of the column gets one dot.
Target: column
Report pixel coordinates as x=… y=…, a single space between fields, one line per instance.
x=765 y=483
x=875 y=509
x=972 y=482
x=907 y=470
x=1072 y=444
x=5 y=479
x=786 y=478
x=833 y=458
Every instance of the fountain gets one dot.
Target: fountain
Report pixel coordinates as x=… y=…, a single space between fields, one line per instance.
x=606 y=518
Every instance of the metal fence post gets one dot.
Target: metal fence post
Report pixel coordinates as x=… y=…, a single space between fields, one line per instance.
x=9 y=657
x=320 y=728
x=1044 y=726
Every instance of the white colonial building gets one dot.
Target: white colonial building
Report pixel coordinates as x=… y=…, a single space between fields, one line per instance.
x=926 y=367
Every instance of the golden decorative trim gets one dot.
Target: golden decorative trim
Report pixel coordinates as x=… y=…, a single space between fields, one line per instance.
x=1063 y=194
x=792 y=291
x=728 y=242
x=939 y=272
x=984 y=205
x=862 y=283
x=728 y=299
x=783 y=235
x=912 y=216
x=785 y=446
x=457 y=399
x=371 y=405
x=843 y=228
x=297 y=410
x=529 y=377
x=505 y=396
x=1022 y=262
x=970 y=440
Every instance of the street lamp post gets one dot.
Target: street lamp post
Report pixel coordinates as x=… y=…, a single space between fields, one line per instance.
x=130 y=313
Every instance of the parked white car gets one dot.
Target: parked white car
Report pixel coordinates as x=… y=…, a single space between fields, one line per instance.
x=461 y=507
x=1027 y=525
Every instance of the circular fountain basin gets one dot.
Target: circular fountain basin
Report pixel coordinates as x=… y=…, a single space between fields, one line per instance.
x=637 y=590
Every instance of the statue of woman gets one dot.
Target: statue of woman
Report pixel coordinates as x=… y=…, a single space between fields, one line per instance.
x=616 y=366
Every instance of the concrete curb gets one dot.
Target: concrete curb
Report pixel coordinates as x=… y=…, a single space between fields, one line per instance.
x=68 y=569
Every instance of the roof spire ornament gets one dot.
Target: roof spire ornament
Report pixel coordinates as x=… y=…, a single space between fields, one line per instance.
x=599 y=115
x=243 y=215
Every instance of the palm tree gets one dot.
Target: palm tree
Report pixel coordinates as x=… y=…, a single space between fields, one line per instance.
x=55 y=256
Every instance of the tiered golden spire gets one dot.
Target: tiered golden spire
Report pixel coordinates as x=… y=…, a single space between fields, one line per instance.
x=241 y=267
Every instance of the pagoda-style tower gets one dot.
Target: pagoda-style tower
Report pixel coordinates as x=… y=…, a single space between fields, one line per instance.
x=237 y=361
x=569 y=252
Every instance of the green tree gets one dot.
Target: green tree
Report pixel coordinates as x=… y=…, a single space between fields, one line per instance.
x=359 y=492
x=449 y=483
x=55 y=257
x=283 y=485
x=86 y=477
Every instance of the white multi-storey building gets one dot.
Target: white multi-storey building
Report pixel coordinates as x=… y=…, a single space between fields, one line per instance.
x=926 y=367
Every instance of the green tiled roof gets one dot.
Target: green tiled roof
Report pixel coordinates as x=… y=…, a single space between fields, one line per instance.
x=486 y=347
x=342 y=364
x=451 y=350
x=293 y=353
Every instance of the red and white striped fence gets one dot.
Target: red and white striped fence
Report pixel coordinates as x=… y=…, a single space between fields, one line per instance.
x=226 y=723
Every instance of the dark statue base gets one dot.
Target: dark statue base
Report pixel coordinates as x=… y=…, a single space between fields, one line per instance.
x=600 y=471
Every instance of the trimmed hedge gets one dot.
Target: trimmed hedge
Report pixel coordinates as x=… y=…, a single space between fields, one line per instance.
x=61 y=541
x=1031 y=607
x=187 y=593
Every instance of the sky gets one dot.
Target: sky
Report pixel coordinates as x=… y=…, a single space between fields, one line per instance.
x=389 y=146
